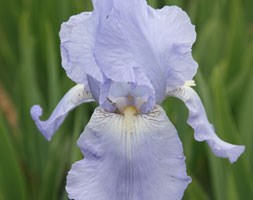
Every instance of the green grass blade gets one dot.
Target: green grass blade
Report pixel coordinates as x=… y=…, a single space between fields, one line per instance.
x=12 y=182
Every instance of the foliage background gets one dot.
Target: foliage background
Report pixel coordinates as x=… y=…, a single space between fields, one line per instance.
x=30 y=72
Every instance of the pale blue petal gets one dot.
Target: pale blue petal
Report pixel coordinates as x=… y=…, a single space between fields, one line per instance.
x=141 y=93
x=103 y=98
x=102 y=7
x=100 y=92
x=123 y=44
x=203 y=130
x=181 y=67
x=173 y=36
x=129 y=157
x=77 y=41
x=146 y=91
x=76 y=96
x=157 y=41
x=94 y=86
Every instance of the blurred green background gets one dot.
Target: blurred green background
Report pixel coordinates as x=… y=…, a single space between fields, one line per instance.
x=30 y=72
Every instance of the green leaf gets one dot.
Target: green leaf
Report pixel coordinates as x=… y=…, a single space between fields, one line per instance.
x=12 y=183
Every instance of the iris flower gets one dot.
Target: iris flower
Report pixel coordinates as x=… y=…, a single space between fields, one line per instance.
x=128 y=57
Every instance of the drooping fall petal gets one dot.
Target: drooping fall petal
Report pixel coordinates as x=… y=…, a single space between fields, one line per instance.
x=129 y=156
x=203 y=130
x=74 y=97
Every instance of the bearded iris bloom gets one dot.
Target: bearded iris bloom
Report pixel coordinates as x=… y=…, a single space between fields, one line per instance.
x=128 y=57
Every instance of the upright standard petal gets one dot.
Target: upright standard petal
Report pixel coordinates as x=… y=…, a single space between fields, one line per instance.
x=122 y=44
x=75 y=96
x=77 y=41
x=172 y=36
x=203 y=130
x=129 y=156
x=157 y=41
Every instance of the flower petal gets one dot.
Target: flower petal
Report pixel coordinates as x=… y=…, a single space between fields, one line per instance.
x=202 y=128
x=123 y=44
x=102 y=7
x=141 y=93
x=129 y=157
x=76 y=96
x=77 y=40
x=173 y=36
x=158 y=41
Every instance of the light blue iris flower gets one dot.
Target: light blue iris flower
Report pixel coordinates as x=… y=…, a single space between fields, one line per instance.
x=128 y=57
